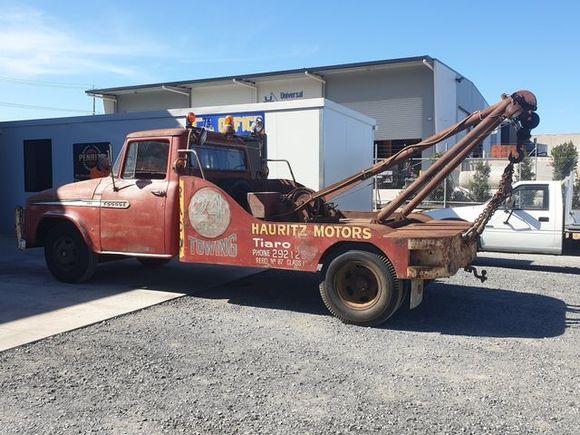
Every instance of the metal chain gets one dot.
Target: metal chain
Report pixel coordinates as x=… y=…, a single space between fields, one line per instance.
x=504 y=190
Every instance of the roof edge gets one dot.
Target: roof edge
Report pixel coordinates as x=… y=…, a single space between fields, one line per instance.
x=105 y=91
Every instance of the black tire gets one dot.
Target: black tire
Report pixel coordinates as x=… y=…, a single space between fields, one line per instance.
x=67 y=256
x=360 y=288
x=153 y=263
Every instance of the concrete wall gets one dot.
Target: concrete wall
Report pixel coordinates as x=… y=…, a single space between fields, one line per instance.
x=158 y=100
x=295 y=88
x=541 y=167
x=222 y=95
x=219 y=94
x=552 y=140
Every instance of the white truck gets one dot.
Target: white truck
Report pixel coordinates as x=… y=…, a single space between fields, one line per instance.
x=537 y=219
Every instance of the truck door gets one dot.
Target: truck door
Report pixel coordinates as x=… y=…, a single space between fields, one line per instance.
x=529 y=225
x=133 y=216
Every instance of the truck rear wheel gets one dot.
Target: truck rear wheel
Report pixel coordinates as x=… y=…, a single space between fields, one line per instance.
x=67 y=256
x=360 y=287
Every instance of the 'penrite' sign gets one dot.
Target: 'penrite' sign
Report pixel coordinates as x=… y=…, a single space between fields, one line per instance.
x=89 y=159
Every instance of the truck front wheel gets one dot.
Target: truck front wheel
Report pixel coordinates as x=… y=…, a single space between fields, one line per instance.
x=67 y=255
x=360 y=287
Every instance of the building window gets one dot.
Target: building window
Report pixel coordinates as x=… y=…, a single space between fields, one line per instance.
x=146 y=160
x=37 y=165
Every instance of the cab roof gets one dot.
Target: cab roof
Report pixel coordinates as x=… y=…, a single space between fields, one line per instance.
x=213 y=138
x=158 y=132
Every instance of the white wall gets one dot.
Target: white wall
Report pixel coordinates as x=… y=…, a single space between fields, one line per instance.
x=552 y=140
x=347 y=149
x=222 y=95
x=149 y=101
x=295 y=136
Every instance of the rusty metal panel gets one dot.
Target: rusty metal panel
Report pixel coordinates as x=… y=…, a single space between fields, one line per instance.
x=264 y=204
x=217 y=230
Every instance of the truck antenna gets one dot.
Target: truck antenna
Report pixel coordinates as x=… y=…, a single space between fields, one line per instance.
x=110 y=152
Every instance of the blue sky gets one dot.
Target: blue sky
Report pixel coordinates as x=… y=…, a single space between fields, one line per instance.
x=50 y=52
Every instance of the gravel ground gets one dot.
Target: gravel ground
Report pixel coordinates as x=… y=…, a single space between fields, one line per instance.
x=263 y=356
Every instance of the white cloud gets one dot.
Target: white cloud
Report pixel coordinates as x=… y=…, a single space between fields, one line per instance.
x=34 y=44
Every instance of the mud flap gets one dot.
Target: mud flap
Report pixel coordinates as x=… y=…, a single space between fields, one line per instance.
x=416 y=298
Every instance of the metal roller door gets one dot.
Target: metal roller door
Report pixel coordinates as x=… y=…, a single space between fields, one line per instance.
x=397 y=118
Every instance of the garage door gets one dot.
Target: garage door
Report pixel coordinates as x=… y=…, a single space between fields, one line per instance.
x=396 y=118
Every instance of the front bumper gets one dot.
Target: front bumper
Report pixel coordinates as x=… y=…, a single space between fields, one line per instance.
x=19 y=220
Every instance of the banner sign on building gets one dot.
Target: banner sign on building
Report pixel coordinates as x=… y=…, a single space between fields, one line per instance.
x=243 y=122
x=89 y=160
x=281 y=96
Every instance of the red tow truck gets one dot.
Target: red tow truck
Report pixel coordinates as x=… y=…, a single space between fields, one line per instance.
x=206 y=198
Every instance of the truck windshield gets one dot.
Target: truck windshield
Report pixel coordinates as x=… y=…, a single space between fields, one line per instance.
x=146 y=160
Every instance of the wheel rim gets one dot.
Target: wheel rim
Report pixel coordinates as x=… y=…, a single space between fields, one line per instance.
x=65 y=253
x=358 y=286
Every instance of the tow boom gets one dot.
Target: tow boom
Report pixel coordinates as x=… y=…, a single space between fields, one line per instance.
x=519 y=108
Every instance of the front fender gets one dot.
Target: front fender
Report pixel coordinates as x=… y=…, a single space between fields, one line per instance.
x=50 y=219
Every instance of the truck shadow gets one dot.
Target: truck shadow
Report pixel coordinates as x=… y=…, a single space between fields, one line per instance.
x=27 y=288
x=273 y=289
x=509 y=263
x=482 y=312
x=446 y=309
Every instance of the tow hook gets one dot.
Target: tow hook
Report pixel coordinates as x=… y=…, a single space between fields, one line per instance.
x=472 y=269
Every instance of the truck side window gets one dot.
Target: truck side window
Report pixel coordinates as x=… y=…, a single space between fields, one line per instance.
x=531 y=197
x=146 y=160
x=222 y=159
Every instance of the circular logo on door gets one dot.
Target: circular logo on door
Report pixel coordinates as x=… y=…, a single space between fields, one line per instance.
x=209 y=213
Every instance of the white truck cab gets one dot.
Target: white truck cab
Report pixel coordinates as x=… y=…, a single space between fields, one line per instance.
x=534 y=220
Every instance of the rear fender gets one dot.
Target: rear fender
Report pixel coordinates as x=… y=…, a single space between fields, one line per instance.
x=342 y=247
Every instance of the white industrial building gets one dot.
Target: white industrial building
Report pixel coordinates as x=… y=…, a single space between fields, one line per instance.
x=327 y=121
x=410 y=98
